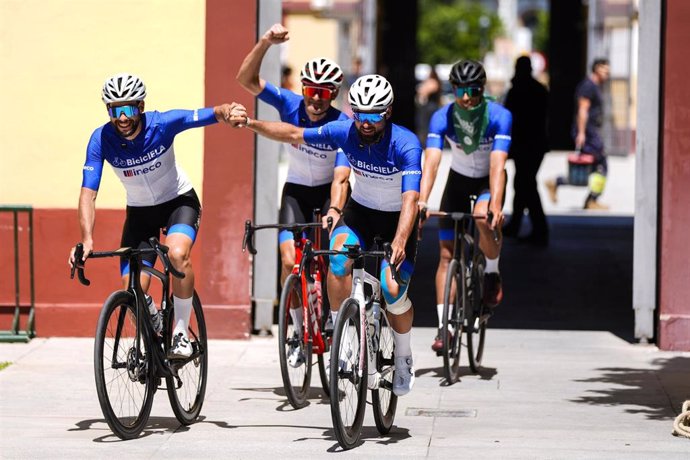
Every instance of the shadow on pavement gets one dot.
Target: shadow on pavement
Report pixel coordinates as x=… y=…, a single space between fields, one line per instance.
x=581 y=281
x=656 y=393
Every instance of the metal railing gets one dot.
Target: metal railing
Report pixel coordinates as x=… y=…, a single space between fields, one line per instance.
x=15 y=334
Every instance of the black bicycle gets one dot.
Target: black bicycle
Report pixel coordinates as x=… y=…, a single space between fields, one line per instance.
x=131 y=358
x=363 y=353
x=464 y=311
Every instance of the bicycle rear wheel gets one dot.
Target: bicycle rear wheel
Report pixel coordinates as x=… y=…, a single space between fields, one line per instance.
x=453 y=319
x=122 y=363
x=348 y=386
x=476 y=321
x=187 y=395
x=296 y=377
x=383 y=399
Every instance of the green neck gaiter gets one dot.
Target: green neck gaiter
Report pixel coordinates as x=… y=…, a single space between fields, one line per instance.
x=470 y=125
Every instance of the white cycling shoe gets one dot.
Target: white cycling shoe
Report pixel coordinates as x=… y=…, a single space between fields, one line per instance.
x=181 y=348
x=403 y=378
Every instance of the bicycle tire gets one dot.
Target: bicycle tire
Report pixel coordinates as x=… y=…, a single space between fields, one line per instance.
x=476 y=326
x=452 y=343
x=346 y=344
x=187 y=400
x=124 y=378
x=383 y=400
x=296 y=380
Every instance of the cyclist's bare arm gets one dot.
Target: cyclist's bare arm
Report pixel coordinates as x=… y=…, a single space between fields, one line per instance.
x=223 y=112
x=406 y=222
x=339 y=187
x=248 y=75
x=87 y=220
x=583 y=105
x=497 y=186
x=276 y=130
x=432 y=159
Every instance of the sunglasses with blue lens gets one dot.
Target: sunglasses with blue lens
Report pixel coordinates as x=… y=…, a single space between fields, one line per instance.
x=369 y=117
x=128 y=110
x=471 y=91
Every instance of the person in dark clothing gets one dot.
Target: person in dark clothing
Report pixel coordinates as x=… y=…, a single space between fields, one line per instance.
x=586 y=132
x=528 y=101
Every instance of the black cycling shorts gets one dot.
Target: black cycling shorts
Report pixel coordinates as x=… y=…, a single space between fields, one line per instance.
x=143 y=222
x=297 y=205
x=456 y=198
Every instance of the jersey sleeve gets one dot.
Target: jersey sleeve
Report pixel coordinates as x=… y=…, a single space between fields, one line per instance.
x=176 y=121
x=280 y=98
x=334 y=133
x=438 y=124
x=411 y=167
x=502 y=137
x=93 y=166
x=341 y=159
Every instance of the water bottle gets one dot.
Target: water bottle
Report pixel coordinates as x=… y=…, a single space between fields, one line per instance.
x=155 y=315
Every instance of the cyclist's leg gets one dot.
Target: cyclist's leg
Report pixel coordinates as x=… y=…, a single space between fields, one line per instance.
x=290 y=213
x=183 y=226
x=493 y=290
x=141 y=223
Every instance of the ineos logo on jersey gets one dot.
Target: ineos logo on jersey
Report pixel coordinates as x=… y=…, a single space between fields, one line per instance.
x=137 y=172
x=88 y=168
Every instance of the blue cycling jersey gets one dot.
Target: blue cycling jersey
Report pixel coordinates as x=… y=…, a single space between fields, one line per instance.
x=146 y=165
x=475 y=164
x=383 y=171
x=308 y=164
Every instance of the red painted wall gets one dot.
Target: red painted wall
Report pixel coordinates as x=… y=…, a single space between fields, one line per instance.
x=674 y=270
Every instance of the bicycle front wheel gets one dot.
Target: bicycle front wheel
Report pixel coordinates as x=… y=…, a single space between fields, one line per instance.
x=296 y=371
x=476 y=321
x=383 y=399
x=348 y=382
x=122 y=363
x=453 y=318
x=186 y=393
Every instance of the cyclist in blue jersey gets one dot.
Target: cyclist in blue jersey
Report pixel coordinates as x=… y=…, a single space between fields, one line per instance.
x=310 y=166
x=478 y=131
x=139 y=147
x=386 y=159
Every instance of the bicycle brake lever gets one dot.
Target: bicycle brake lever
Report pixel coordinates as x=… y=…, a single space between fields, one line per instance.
x=78 y=265
x=489 y=218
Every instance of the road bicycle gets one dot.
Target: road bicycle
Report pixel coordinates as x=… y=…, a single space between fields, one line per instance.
x=301 y=289
x=363 y=353
x=464 y=311
x=131 y=358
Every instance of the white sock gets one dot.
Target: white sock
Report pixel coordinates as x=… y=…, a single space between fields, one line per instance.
x=402 y=343
x=183 y=311
x=491 y=265
x=334 y=316
x=439 y=311
x=297 y=317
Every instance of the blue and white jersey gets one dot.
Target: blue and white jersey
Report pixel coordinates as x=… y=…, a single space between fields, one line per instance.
x=384 y=170
x=146 y=165
x=308 y=164
x=475 y=164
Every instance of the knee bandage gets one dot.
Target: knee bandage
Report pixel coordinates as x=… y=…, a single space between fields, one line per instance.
x=338 y=262
x=400 y=303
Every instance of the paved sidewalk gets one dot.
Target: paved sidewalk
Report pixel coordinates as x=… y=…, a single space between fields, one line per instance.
x=543 y=395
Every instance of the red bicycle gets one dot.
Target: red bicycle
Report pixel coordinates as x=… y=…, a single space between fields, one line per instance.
x=301 y=297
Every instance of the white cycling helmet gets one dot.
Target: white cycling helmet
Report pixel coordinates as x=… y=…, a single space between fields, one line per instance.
x=370 y=93
x=123 y=87
x=322 y=71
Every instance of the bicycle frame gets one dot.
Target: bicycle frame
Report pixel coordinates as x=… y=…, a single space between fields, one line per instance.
x=360 y=278
x=310 y=306
x=163 y=367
